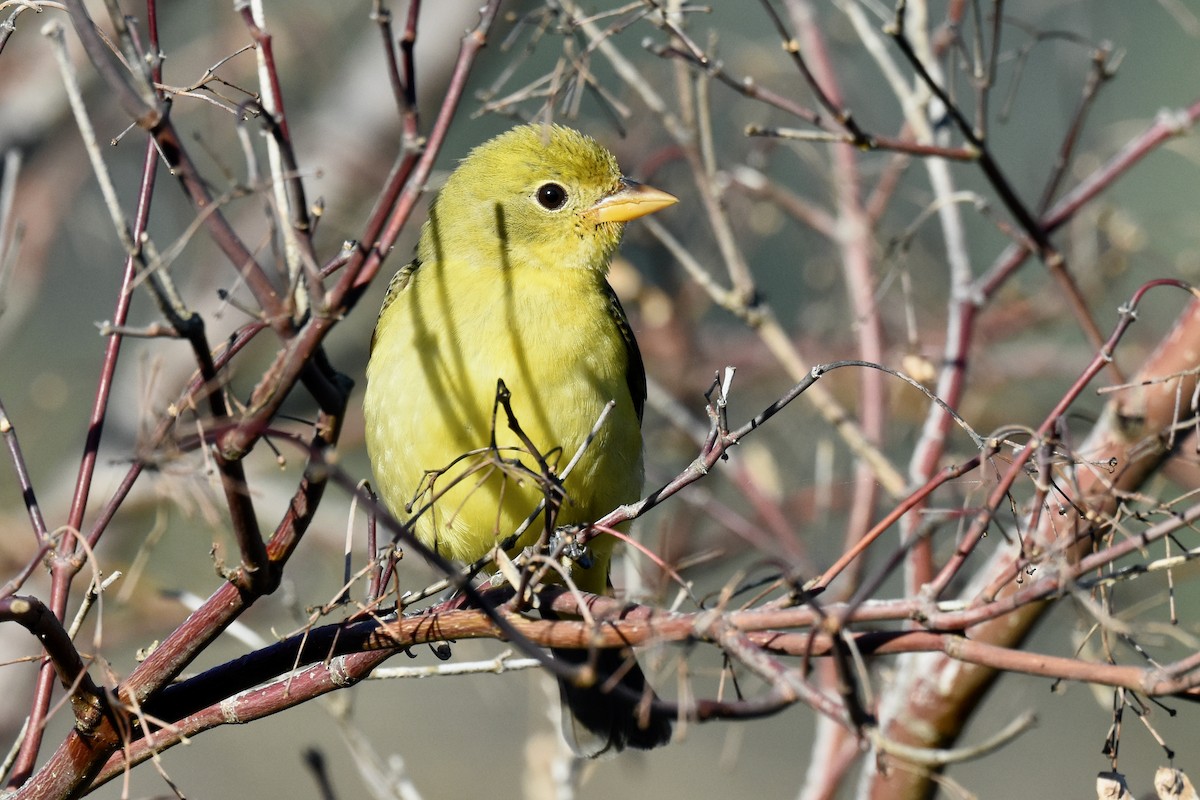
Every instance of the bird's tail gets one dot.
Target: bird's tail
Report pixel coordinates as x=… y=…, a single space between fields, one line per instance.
x=605 y=718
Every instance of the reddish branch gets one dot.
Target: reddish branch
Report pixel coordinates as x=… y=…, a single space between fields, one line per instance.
x=941 y=695
x=62 y=659
x=70 y=769
x=336 y=656
x=66 y=562
x=776 y=641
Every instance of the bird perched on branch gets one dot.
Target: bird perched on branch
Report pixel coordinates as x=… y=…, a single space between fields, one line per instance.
x=509 y=286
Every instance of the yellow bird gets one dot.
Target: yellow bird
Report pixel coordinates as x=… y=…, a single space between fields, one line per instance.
x=509 y=284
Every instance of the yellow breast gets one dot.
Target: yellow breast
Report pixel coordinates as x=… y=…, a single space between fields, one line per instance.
x=431 y=416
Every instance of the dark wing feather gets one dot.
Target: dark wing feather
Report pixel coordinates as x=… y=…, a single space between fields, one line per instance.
x=635 y=370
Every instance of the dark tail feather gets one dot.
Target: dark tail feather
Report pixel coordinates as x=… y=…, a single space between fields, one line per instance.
x=596 y=721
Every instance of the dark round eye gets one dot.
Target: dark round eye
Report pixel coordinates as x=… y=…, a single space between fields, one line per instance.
x=551 y=196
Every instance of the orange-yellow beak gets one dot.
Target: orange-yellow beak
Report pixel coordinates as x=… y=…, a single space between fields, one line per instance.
x=631 y=201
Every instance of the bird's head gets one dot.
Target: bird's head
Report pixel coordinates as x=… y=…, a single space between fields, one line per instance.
x=537 y=196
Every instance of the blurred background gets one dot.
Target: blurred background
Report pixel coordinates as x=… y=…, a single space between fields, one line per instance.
x=491 y=734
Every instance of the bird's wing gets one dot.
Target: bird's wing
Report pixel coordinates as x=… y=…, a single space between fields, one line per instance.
x=635 y=370
x=397 y=285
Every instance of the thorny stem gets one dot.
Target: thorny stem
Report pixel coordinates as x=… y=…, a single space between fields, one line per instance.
x=1032 y=227
x=66 y=563
x=998 y=494
x=303 y=345
x=757 y=650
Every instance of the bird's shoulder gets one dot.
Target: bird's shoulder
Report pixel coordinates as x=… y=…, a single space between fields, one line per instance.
x=399 y=282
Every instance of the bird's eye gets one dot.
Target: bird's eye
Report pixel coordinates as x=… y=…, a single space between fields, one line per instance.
x=551 y=196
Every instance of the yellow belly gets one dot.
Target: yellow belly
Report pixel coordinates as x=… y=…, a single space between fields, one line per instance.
x=431 y=415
